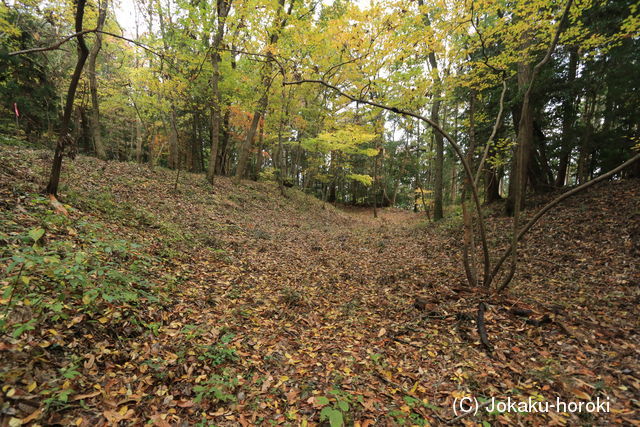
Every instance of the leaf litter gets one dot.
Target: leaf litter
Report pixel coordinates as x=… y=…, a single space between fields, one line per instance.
x=284 y=311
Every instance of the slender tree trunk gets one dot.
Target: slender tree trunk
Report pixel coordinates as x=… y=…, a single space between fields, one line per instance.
x=568 y=119
x=93 y=84
x=259 y=154
x=194 y=154
x=222 y=164
x=223 y=7
x=138 y=140
x=584 y=153
x=376 y=181
x=438 y=181
x=492 y=186
x=518 y=181
x=439 y=142
x=469 y=246
x=174 y=149
x=63 y=138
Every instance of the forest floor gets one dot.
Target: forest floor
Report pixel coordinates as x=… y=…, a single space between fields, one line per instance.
x=231 y=305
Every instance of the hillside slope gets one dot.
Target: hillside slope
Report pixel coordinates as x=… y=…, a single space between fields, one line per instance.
x=229 y=304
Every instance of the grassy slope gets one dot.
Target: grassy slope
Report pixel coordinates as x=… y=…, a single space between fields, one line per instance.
x=232 y=304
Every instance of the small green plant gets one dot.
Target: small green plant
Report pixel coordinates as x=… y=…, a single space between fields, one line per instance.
x=220 y=352
x=413 y=417
x=336 y=407
x=218 y=388
x=192 y=331
x=58 y=397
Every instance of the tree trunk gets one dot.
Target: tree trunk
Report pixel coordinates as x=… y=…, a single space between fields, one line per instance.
x=438 y=181
x=63 y=138
x=222 y=163
x=138 y=140
x=174 y=149
x=223 y=7
x=469 y=246
x=243 y=156
x=518 y=180
x=568 y=119
x=195 y=162
x=439 y=143
x=93 y=84
x=584 y=153
x=491 y=186
x=259 y=154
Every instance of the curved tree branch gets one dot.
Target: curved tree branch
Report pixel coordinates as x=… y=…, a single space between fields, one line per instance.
x=53 y=46
x=79 y=34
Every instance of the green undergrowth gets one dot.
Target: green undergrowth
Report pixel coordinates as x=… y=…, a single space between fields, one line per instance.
x=56 y=268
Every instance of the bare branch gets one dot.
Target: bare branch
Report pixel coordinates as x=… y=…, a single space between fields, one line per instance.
x=53 y=46
x=552 y=47
x=493 y=133
x=82 y=33
x=141 y=45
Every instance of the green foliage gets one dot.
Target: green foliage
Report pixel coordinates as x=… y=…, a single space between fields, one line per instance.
x=348 y=139
x=217 y=388
x=220 y=352
x=363 y=179
x=336 y=407
x=61 y=265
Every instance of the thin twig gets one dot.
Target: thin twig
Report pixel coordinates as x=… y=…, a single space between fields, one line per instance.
x=496 y=125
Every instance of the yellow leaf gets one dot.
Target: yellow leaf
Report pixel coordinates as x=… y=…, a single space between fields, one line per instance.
x=32 y=387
